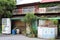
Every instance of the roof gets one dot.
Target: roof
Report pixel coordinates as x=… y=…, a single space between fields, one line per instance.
x=44 y=1
x=21 y=2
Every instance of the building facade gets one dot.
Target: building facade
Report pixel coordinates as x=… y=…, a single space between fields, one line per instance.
x=41 y=8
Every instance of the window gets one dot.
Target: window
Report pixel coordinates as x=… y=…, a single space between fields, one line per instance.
x=29 y=9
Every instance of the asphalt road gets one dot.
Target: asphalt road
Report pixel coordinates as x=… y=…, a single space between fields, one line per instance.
x=19 y=37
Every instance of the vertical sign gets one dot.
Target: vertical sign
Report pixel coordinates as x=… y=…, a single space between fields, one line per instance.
x=6 y=25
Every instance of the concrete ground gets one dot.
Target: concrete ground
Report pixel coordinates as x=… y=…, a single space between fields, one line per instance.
x=18 y=37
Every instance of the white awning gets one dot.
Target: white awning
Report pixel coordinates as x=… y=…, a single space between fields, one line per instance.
x=20 y=2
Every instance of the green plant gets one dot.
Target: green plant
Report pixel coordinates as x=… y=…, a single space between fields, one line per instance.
x=55 y=21
x=6 y=8
x=49 y=4
x=29 y=18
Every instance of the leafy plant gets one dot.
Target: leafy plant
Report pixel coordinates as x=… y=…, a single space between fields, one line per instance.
x=7 y=7
x=49 y=4
x=29 y=18
x=55 y=21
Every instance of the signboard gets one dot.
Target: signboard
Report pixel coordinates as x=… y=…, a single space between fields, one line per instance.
x=6 y=25
x=46 y=32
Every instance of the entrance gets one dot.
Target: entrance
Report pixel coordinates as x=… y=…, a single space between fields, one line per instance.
x=17 y=24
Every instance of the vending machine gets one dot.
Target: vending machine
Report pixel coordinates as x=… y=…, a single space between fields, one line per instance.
x=6 y=26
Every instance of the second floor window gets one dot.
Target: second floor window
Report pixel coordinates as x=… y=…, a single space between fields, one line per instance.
x=28 y=9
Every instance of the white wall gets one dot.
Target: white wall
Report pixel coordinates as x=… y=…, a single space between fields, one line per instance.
x=47 y=32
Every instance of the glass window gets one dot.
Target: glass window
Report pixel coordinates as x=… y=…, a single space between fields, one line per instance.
x=28 y=9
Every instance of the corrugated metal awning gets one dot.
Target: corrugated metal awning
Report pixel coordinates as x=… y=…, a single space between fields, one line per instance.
x=17 y=18
x=50 y=18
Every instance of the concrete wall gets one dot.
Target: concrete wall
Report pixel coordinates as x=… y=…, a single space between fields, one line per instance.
x=47 y=32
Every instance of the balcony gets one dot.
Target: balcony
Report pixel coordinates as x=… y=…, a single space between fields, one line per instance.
x=23 y=11
x=17 y=11
x=55 y=9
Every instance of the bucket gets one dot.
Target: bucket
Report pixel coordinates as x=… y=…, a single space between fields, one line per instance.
x=13 y=32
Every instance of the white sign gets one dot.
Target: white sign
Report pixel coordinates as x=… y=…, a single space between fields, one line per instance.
x=6 y=25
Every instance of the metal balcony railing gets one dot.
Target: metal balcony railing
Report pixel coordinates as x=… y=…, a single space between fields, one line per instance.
x=24 y=11
x=16 y=11
x=55 y=9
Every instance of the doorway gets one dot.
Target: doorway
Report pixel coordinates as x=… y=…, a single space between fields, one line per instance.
x=17 y=24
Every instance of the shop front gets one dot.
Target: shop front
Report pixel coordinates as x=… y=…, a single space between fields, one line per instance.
x=43 y=27
x=18 y=25
x=9 y=24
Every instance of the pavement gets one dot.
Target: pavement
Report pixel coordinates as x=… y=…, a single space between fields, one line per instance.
x=19 y=37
